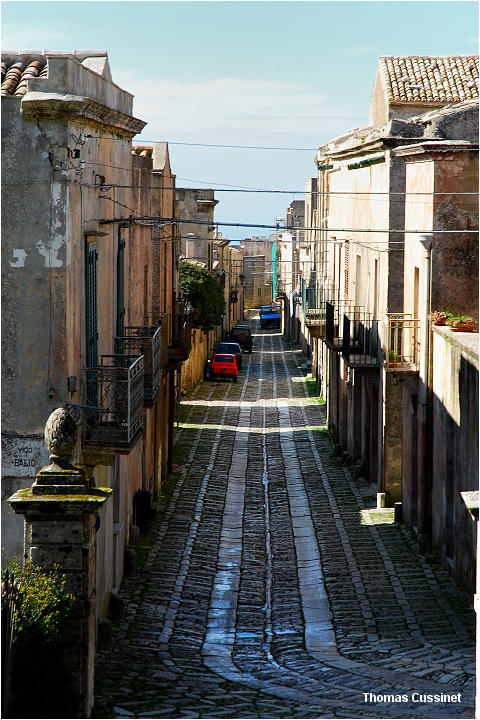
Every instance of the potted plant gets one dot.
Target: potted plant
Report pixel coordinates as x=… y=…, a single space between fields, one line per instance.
x=462 y=323
x=438 y=317
x=392 y=359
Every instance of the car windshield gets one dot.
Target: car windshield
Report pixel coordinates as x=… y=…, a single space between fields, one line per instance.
x=223 y=358
x=228 y=346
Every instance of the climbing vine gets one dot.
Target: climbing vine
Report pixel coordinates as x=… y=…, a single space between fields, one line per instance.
x=204 y=293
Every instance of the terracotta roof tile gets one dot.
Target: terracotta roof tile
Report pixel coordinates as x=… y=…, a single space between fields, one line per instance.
x=418 y=79
x=142 y=150
x=16 y=74
x=19 y=67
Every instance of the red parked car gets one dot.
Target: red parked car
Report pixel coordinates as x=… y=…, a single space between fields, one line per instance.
x=223 y=365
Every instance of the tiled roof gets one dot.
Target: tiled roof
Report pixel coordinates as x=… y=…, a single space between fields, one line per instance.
x=142 y=150
x=16 y=74
x=427 y=79
x=18 y=67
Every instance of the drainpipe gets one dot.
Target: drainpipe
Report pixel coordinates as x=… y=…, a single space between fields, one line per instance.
x=426 y=241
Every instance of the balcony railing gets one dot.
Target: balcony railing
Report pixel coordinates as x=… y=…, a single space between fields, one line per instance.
x=317 y=295
x=144 y=340
x=403 y=341
x=115 y=388
x=181 y=343
x=360 y=339
x=334 y=321
x=315 y=322
x=164 y=322
x=316 y=299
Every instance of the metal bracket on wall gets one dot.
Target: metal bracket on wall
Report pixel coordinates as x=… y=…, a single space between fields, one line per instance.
x=82 y=413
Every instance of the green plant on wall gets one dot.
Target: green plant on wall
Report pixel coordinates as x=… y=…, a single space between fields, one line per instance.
x=204 y=293
x=45 y=604
x=40 y=623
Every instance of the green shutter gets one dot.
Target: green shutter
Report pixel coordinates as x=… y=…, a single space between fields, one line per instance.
x=91 y=258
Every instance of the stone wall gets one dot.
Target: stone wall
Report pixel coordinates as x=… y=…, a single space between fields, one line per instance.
x=193 y=367
x=454 y=285
x=394 y=382
x=454 y=450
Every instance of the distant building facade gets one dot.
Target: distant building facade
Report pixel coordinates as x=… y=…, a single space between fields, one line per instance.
x=257 y=271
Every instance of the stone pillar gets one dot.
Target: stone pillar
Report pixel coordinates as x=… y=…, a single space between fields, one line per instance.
x=61 y=512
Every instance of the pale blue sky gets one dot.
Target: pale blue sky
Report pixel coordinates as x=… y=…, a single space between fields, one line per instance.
x=289 y=74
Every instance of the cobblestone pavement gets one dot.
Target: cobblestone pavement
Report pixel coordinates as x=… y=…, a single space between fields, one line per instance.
x=274 y=588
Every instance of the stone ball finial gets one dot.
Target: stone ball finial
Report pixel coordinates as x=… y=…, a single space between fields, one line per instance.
x=60 y=435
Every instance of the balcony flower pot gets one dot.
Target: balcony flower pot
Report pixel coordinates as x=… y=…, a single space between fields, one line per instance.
x=437 y=317
x=464 y=323
x=392 y=359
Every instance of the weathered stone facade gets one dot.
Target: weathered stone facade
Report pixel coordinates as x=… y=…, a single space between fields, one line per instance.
x=441 y=461
x=379 y=188
x=79 y=276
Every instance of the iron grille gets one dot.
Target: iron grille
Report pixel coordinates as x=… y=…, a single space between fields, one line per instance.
x=360 y=340
x=119 y=387
x=403 y=340
x=329 y=321
x=11 y=609
x=180 y=347
x=144 y=340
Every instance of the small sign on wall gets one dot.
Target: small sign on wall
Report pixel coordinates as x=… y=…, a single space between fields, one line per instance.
x=23 y=456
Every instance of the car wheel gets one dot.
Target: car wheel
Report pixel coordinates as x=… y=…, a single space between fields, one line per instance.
x=235 y=378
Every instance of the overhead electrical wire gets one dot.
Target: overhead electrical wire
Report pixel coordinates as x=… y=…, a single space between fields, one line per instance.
x=237 y=147
x=154 y=218
x=141 y=141
x=245 y=189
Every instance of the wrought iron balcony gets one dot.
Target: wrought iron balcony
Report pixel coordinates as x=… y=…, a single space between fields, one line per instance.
x=403 y=342
x=115 y=389
x=360 y=339
x=164 y=322
x=315 y=302
x=317 y=295
x=144 y=340
x=315 y=322
x=181 y=343
x=334 y=321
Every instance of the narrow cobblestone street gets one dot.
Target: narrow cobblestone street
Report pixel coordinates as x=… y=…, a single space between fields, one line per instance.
x=274 y=588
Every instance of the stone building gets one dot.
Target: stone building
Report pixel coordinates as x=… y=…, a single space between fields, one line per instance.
x=360 y=311
x=199 y=243
x=194 y=209
x=257 y=271
x=408 y=86
x=308 y=263
x=227 y=265
x=89 y=294
x=440 y=401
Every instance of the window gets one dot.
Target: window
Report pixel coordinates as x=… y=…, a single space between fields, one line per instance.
x=259 y=291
